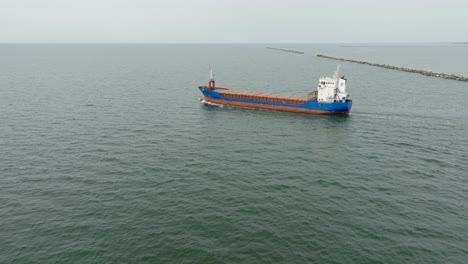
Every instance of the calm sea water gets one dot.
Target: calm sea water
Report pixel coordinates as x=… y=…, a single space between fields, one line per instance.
x=108 y=156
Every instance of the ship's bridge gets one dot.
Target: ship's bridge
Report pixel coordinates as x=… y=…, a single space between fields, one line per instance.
x=332 y=89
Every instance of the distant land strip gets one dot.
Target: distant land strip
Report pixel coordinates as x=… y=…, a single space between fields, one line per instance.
x=287 y=50
x=455 y=45
x=456 y=77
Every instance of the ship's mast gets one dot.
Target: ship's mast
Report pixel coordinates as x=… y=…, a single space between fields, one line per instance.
x=337 y=73
x=211 y=83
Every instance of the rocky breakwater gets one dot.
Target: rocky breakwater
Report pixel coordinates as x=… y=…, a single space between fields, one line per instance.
x=456 y=77
x=287 y=50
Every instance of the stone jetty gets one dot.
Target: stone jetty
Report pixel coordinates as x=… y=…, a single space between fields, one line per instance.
x=287 y=50
x=455 y=77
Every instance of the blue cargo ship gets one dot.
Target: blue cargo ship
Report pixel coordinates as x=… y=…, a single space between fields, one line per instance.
x=331 y=98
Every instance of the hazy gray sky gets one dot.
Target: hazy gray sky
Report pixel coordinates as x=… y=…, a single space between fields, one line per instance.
x=233 y=21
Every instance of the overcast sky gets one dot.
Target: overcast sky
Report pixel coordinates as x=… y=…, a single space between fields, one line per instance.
x=233 y=21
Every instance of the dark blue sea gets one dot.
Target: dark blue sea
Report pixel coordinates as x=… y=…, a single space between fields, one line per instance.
x=107 y=156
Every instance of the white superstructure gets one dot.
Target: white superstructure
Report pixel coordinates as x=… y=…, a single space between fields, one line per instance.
x=332 y=89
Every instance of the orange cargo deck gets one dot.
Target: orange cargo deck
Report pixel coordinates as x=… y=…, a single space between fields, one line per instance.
x=261 y=96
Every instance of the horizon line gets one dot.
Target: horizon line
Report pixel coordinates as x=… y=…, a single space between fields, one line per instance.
x=235 y=43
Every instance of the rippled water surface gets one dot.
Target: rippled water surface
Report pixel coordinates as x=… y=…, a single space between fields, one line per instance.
x=108 y=156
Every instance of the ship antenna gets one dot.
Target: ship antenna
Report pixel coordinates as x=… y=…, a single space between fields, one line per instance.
x=337 y=73
x=211 y=74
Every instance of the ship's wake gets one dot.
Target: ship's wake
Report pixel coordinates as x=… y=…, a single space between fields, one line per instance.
x=210 y=103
